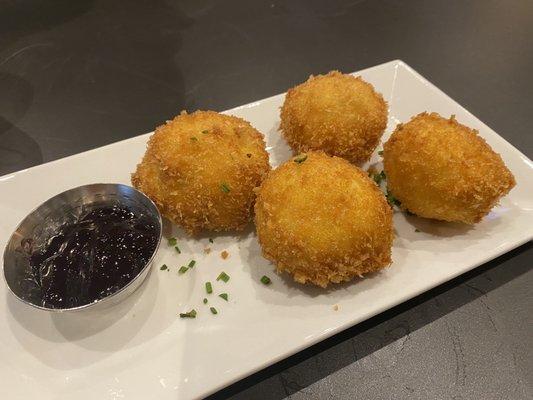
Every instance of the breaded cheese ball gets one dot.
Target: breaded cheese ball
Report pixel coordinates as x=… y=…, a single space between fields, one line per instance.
x=438 y=168
x=323 y=220
x=339 y=114
x=201 y=169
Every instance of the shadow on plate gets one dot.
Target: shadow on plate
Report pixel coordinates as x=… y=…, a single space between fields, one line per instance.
x=441 y=229
x=410 y=229
x=285 y=291
x=103 y=332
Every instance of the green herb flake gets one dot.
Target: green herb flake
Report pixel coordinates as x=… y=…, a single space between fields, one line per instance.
x=224 y=296
x=225 y=187
x=172 y=241
x=205 y=300
x=191 y=264
x=208 y=287
x=190 y=314
x=205 y=131
x=213 y=310
x=393 y=201
x=183 y=269
x=177 y=249
x=211 y=240
x=378 y=178
x=265 y=280
x=223 y=276
x=163 y=267
x=380 y=152
x=300 y=159
x=417 y=230
x=194 y=138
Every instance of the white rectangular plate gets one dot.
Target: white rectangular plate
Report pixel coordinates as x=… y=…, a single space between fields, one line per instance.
x=140 y=349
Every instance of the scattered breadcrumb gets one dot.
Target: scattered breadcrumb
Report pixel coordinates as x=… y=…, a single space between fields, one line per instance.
x=207 y=250
x=224 y=254
x=336 y=307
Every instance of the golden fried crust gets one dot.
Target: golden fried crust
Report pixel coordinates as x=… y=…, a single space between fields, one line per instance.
x=339 y=114
x=323 y=220
x=441 y=169
x=201 y=168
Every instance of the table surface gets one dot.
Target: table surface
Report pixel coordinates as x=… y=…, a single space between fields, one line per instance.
x=78 y=75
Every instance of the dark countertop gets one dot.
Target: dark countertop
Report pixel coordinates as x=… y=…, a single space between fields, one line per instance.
x=75 y=75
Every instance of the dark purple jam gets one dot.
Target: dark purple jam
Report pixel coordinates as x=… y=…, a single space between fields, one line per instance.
x=93 y=256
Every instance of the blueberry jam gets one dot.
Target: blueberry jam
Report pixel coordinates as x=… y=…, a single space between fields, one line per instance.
x=93 y=256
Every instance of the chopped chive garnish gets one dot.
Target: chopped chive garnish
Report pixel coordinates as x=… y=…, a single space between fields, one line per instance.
x=223 y=276
x=172 y=241
x=379 y=177
x=208 y=287
x=205 y=300
x=194 y=139
x=205 y=131
x=380 y=152
x=163 y=267
x=300 y=159
x=224 y=187
x=213 y=310
x=191 y=264
x=393 y=201
x=224 y=296
x=183 y=269
x=177 y=249
x=265 y=280
x=190 y=314
x=210 y=240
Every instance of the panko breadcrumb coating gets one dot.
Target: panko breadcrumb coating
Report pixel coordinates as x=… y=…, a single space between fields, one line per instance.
x=201 y=170
x=438 y=168
x=323 y=220
x=339 y=114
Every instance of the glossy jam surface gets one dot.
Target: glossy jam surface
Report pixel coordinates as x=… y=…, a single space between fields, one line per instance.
x=93 y=256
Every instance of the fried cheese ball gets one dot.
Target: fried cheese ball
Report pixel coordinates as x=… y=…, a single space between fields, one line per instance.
x=201 y=169
x=438 y=168
x=323 y=220
x=339 y=114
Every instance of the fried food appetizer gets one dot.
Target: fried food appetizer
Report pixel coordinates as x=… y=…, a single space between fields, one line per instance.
x=201 y=169
x=339 y=114
x=438 y=168
x=323 y=220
